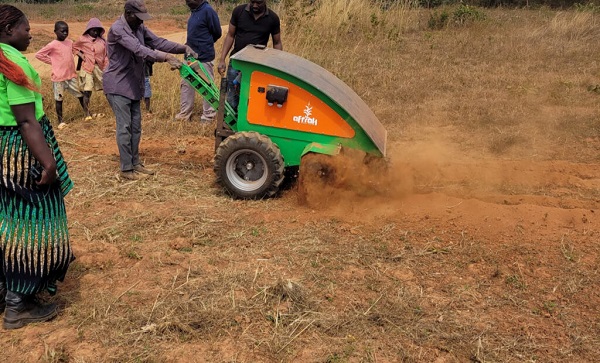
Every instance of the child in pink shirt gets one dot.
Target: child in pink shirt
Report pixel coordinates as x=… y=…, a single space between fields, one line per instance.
x=91 y=49
x=59 y=54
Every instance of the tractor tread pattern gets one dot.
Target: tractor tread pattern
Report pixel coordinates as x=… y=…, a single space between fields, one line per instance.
x=255 y=141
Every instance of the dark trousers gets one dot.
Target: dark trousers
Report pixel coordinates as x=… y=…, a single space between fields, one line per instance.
x=233 y=89
x=129 y=129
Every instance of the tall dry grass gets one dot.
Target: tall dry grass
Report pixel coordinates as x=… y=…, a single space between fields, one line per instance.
x=518 y=79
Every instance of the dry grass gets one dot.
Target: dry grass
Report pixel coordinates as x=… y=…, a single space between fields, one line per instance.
x=171 y=269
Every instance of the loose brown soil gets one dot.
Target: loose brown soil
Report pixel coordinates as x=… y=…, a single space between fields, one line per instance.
x=454 y=255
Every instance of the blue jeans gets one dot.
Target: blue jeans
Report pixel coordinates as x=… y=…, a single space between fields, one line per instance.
x=129 y=129
x=233 y=90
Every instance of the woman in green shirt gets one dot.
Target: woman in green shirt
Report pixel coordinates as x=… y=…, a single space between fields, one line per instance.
x=34 y=239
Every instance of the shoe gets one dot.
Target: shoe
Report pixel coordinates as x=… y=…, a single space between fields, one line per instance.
x=62 y=125
x=88 y=118
x=140 y=169
x=2 y=296
x=206 y=120
x=25 y=309
x=130 y=175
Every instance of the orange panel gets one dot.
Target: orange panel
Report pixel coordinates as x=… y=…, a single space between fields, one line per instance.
x=302 y=111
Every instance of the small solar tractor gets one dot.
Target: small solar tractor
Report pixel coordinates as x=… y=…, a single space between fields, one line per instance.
x=289 y=109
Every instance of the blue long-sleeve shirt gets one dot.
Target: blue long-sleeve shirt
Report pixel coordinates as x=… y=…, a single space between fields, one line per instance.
x=203 y=30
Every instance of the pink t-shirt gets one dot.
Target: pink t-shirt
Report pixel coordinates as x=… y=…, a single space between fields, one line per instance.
x=60 y=56
x=94 y=52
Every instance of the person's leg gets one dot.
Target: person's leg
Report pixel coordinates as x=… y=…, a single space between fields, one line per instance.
x=81 y=102
x=122 y=107
x=136 y=136
x=24 y=309
x=87 y=95
x=136 y=132
x=208 y=112
x=233 y=90
x=59 y=111
x=58 y=90
x=187 y=94
x=2 y=292
x=96 y=86
x=97 y=78
x=86 y=81
x=72 y=86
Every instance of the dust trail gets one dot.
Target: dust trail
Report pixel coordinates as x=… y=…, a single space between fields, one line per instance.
x=434 y=166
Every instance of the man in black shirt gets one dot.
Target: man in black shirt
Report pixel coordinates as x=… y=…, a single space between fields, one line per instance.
x=251 y=23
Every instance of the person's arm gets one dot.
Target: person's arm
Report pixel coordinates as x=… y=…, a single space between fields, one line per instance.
x=105 y=51
x=214 y=26
x=84 y=58
x=132 y=43
x=78 y=46
x=32 y=134
x=162 y=44
x=227 y=44
x=43 y=55
x=277 y=44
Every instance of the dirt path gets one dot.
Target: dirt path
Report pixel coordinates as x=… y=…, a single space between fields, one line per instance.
x=78 y=28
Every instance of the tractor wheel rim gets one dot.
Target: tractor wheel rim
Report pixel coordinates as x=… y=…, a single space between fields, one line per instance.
x=246 y=170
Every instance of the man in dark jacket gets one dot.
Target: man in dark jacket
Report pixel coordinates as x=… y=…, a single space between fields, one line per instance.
x=130 y=45
x=252 y=23
x=203 y=30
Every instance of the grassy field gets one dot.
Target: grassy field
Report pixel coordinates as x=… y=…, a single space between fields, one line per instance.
x=481 y=245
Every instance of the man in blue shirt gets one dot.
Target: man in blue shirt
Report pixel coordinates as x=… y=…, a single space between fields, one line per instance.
x=203 y=30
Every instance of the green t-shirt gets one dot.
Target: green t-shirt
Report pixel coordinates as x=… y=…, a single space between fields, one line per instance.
x=13 y=94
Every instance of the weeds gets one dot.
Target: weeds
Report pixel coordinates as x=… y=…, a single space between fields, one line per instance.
x=567 y=249
x=516 y=282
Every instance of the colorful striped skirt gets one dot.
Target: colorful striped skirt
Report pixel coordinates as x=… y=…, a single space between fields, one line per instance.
x=34 y=244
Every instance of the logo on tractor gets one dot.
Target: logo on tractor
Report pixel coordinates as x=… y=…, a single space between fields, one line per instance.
x=306 y=119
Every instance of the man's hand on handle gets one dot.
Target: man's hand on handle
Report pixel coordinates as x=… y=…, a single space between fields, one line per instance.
x=190 y=51
x=173 y=62
x=222 y=68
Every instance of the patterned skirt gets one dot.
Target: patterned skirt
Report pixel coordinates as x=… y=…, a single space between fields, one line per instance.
x=34 y=244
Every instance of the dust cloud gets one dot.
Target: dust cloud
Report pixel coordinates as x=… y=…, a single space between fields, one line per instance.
x=434 y=166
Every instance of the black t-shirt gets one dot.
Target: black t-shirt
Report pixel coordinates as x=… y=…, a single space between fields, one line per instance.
x=250 y=31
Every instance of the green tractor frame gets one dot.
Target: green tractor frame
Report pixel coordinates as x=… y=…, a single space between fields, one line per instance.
x=289 y=108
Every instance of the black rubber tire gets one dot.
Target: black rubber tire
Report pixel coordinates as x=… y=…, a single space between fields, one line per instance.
x=249 y=166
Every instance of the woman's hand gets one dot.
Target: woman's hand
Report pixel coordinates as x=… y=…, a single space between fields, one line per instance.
x=32 y=134
x=48 y=177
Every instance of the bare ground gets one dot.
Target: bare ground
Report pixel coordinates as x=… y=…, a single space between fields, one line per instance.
x=454 y=256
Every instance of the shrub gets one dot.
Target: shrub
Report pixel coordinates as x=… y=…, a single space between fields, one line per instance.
x=461 y=16
x=438 y=20
x=465 y=14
